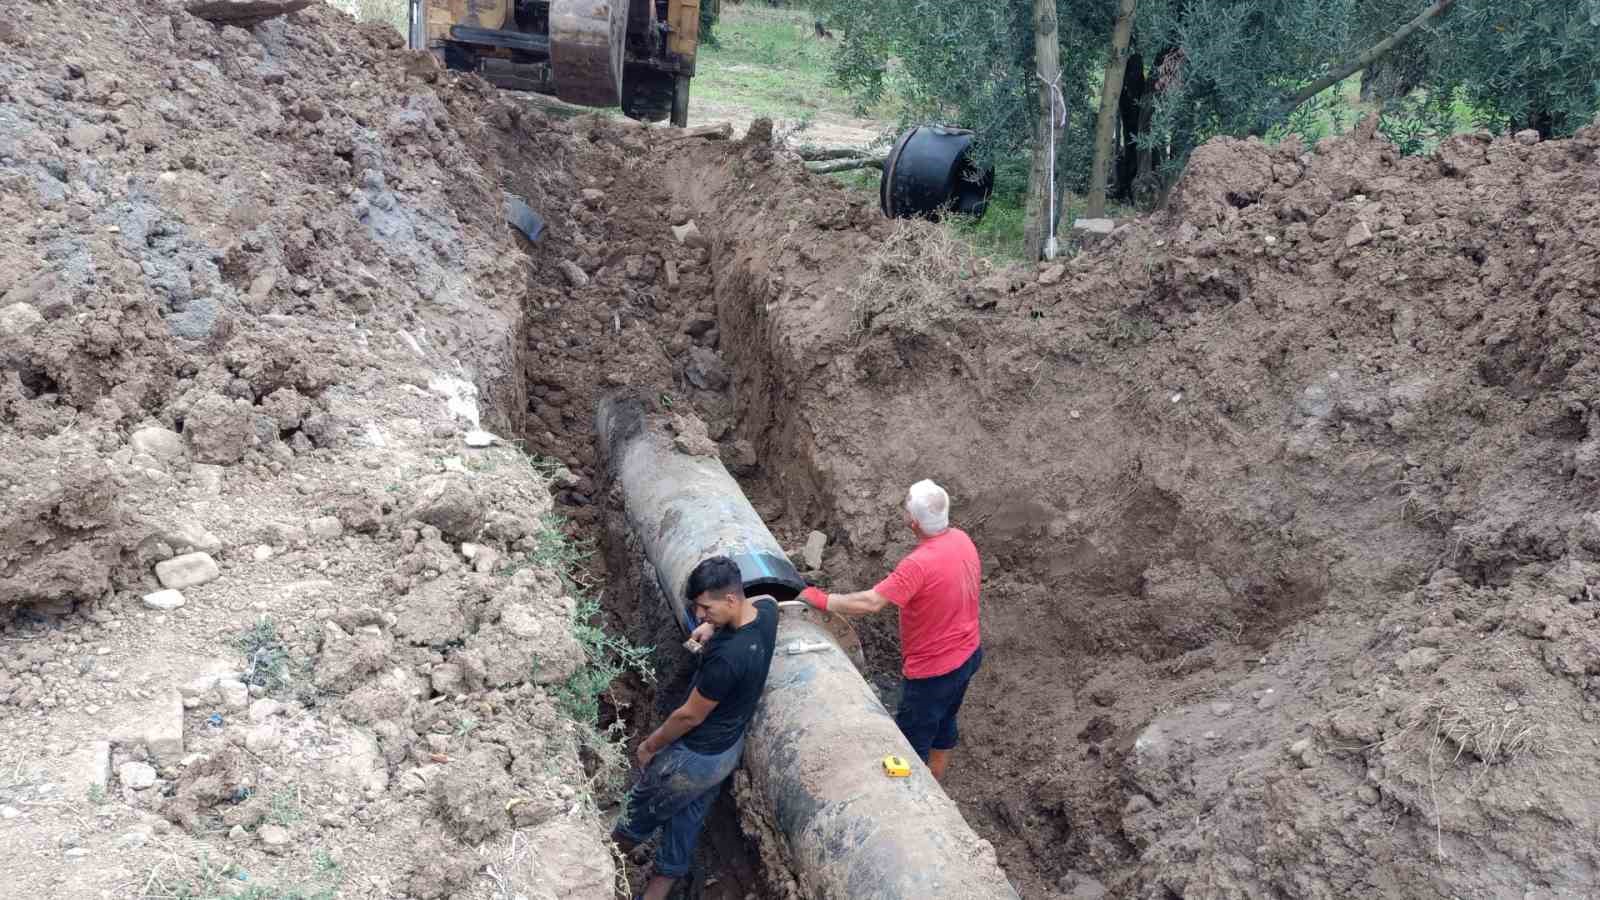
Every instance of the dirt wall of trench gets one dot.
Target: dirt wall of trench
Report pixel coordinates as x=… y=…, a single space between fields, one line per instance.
x=1283 y=498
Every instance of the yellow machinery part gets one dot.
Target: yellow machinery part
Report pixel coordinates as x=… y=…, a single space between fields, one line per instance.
x=587 y=39
x=442 y=14
x=684 y=17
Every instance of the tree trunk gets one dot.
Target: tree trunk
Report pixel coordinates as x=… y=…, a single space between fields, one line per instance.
x=1038 y=227
x=1372 y=54
x=1106 y=126
x=1132 y=122
x=845 y=165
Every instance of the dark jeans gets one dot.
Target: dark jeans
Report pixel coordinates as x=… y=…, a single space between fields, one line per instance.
x=676 y=792
x=928 y=707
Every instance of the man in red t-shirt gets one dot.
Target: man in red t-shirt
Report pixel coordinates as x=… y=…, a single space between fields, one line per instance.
x=936 y=589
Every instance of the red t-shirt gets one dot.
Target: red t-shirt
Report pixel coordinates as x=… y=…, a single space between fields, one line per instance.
x=936 y=588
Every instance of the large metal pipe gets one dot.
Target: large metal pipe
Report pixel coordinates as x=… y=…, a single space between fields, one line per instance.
x=815 y=748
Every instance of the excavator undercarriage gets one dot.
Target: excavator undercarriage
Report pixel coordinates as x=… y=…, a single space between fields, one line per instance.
x=636 y=54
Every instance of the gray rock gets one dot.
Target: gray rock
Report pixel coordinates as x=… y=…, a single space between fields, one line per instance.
x=1420 y=660
x=1368 y=794
x=158 y=442
x=574 y=273
x=1528 y=137
x=448 y=503
x=326 y=528
x=238 y=834
x=1095 y=226
x=235 y=695
x=19 y=319
x=190 y=536
x=688 y=234
x=274 y=838
x=263 y=737
x=220 y=430
x=165 y=601
x=592 y=198
x=196 y=321
x=243 y=13
x=137 y=775
x=1360 y=233
x=1052 y=274
x=188 y=570
x=163 y=729
x=706 y=370
x=264 y=709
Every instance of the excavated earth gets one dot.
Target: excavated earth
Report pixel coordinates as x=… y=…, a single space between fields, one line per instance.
x=1285 y=495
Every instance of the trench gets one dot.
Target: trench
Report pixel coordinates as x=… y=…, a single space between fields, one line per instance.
x=1081 y=649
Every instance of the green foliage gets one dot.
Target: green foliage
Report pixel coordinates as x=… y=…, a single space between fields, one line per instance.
x=1519 y=63
x=266 y=657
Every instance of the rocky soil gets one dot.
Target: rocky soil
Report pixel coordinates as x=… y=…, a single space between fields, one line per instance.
x=1284 y=495
x=283 y=616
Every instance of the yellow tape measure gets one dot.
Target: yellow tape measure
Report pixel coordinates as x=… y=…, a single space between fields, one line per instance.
x=896 y=767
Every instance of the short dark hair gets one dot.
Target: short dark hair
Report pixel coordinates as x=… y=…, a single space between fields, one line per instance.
x=719 y=574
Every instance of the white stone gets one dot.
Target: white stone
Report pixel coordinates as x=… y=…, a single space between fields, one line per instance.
x=261 y=738
x=1360 y=233
x=234 y=694
x=689 y=235
x=166 y=601
x=477 y=438
x=1528 y=137
x=137 y=775
x=8 y=812
x=325 y=528
x=163 y=732
x=188 y=570
x=274 y=838
x=264 y=709
x=1095 y=226
x=157 y=442
x=816 y=542
x=19 y=319
x=262 y=553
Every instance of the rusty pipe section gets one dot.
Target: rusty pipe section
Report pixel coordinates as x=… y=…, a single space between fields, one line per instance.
x=815 y=748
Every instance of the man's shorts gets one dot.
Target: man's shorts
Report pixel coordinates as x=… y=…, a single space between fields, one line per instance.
x=928 y=707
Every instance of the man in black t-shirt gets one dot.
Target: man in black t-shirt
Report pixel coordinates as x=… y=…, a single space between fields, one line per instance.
x=686 y=760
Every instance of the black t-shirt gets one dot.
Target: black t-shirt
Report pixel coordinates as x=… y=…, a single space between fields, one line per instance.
x=733 y=672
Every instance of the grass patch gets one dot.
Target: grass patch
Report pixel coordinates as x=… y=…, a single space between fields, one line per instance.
x=212 y=882
x=285 y=809
x=266 y=657
x=389 y=12
x=770 y=61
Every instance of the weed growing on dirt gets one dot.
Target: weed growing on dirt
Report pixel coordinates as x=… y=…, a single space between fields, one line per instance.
x=97 y=793
x=285 y=807
x=266 y=658
x=607 y=658
x=325 y=863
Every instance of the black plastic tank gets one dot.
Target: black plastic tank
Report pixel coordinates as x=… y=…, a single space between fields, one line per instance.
x=930 y=170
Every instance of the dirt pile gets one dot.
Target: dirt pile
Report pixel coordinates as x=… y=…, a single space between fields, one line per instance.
x=1284 y=498
x=279 y=615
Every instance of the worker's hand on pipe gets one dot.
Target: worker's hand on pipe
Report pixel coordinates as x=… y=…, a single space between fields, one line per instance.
x=702 y=632
x=645 y=754
x=815 y=596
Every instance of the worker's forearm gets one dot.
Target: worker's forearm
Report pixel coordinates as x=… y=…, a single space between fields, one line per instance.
x=860 y=603
x=680 y=723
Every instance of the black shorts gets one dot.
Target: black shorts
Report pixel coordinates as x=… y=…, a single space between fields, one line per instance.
x=928 y=707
